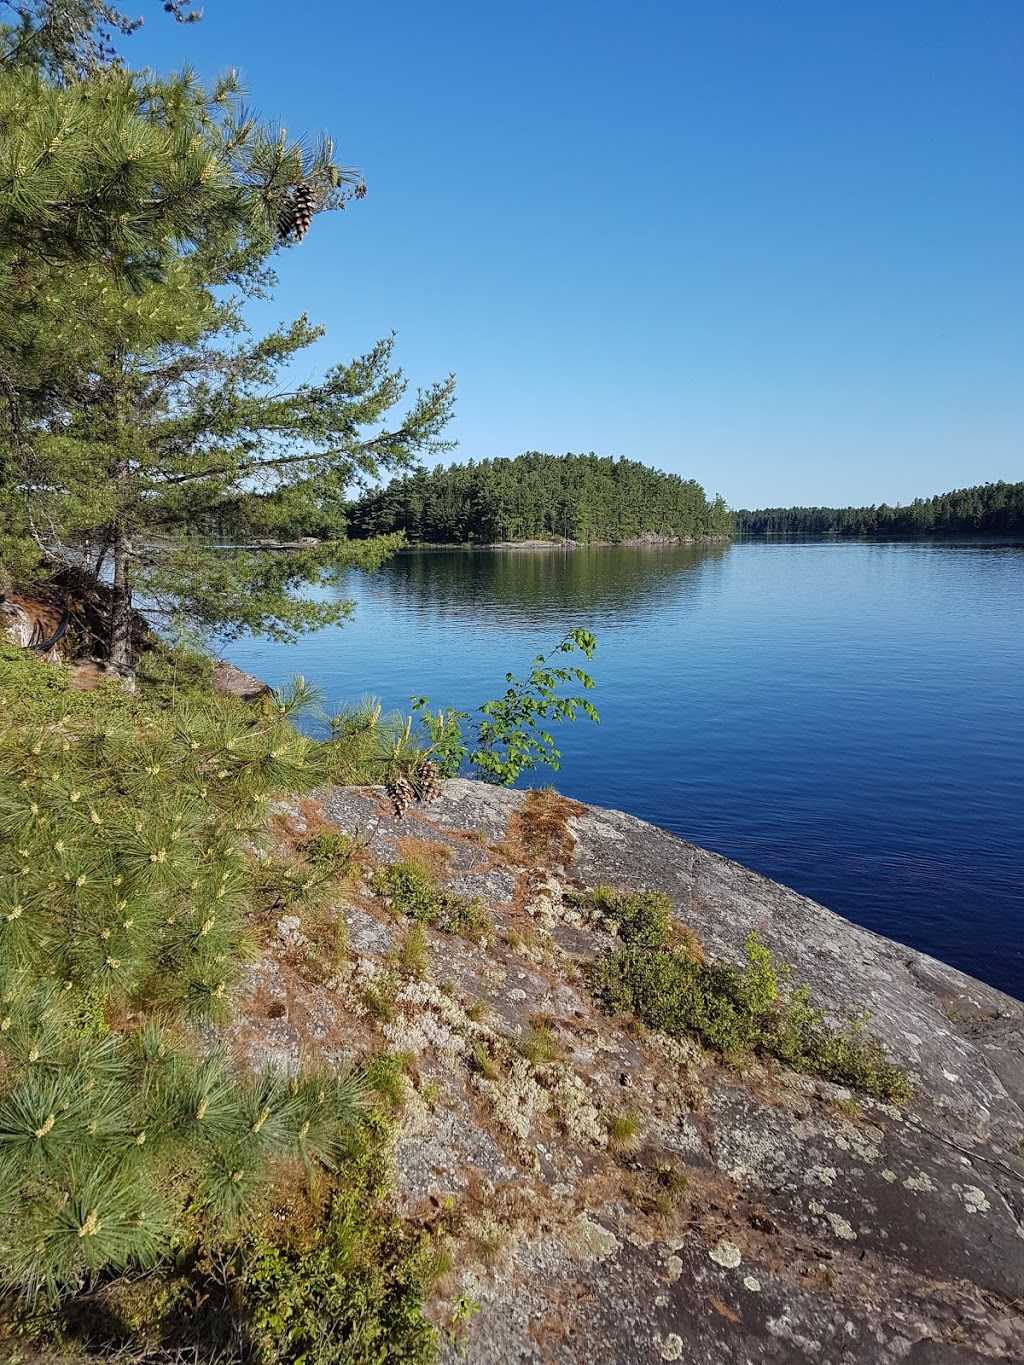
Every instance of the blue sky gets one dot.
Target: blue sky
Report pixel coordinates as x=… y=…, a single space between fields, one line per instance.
x=774 y=245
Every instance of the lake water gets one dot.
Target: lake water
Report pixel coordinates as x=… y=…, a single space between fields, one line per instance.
x=845 y=718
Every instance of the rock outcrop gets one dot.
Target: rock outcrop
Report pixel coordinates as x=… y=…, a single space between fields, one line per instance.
x=742 y=1212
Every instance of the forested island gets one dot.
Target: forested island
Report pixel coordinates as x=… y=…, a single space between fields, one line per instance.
x=584 y=498
x=986 y=508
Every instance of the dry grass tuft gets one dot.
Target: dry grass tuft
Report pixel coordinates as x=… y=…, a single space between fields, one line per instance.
x=432 y=858
x=624 y=1133
x=540 y=829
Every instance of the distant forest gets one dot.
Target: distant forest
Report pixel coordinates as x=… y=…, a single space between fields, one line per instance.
x=988 y=507
x=534 y=496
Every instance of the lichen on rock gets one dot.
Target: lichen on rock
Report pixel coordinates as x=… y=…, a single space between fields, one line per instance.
x=759 y=1213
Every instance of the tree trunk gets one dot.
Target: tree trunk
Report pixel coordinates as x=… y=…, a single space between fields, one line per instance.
x=121 y=604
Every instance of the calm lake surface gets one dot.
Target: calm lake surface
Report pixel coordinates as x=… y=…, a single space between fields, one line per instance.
x=845 y=718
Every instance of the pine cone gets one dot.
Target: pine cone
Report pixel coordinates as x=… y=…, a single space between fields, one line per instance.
x=297 y=214
x=428 y=779
x=400 y=790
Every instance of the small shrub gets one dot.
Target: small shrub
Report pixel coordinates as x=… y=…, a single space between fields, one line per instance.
x=643 y=918
x=410 y=889
x=413 y=892
x=740 y=1010
x=466 y=917
x=330 y=852
x=352 y=1294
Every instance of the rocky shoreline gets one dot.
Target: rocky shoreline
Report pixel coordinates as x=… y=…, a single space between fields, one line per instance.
x=565 y=543
x=759 y=1215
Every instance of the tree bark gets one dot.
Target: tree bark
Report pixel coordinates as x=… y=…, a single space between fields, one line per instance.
x=121 y=604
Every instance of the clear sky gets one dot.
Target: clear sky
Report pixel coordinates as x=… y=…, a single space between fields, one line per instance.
x=773 y=245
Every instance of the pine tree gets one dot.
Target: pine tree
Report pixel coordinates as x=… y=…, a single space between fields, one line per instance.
x=137 y=215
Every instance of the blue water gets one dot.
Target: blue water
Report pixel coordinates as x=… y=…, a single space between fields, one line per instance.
x=845 y=718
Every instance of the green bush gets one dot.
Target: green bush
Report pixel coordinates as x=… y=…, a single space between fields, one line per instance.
x=413 y=892
x=351 y=1294
x=103 y=1136
x=741 y=1010
x=644 y=918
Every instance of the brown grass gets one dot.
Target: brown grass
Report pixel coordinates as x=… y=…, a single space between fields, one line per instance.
x=433 y=859
x=539 y=830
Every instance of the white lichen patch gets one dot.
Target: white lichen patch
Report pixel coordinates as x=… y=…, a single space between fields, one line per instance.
x=889 y=1176
x=889 y=1110
x=683 y=1052
x=595 y=828
x=515 y=1098
x=863 y=1141
x=289 y=931
x=750 y=1157
x=687 y=1137
x=641 y=1238
x=416 y=1116
x=751 y=1283
x=840 y=1226
x=820 y=1175
x=726 y=1254
x=671 y=1347
x=576 y=1111
x=921 y=1183
x=974 y=1200
x=545 y=902
x=430 y=1019
x=836 y=1222
x=585 y=1240
x=674 y=1268
x=492 y=1241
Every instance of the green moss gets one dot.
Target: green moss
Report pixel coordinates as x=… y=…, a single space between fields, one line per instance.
x=743 y=1010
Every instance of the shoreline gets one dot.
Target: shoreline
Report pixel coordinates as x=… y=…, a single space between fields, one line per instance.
x=564 y=544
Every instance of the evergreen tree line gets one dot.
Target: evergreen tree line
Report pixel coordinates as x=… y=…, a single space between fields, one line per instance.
x=535 y=496
x=988 y=507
